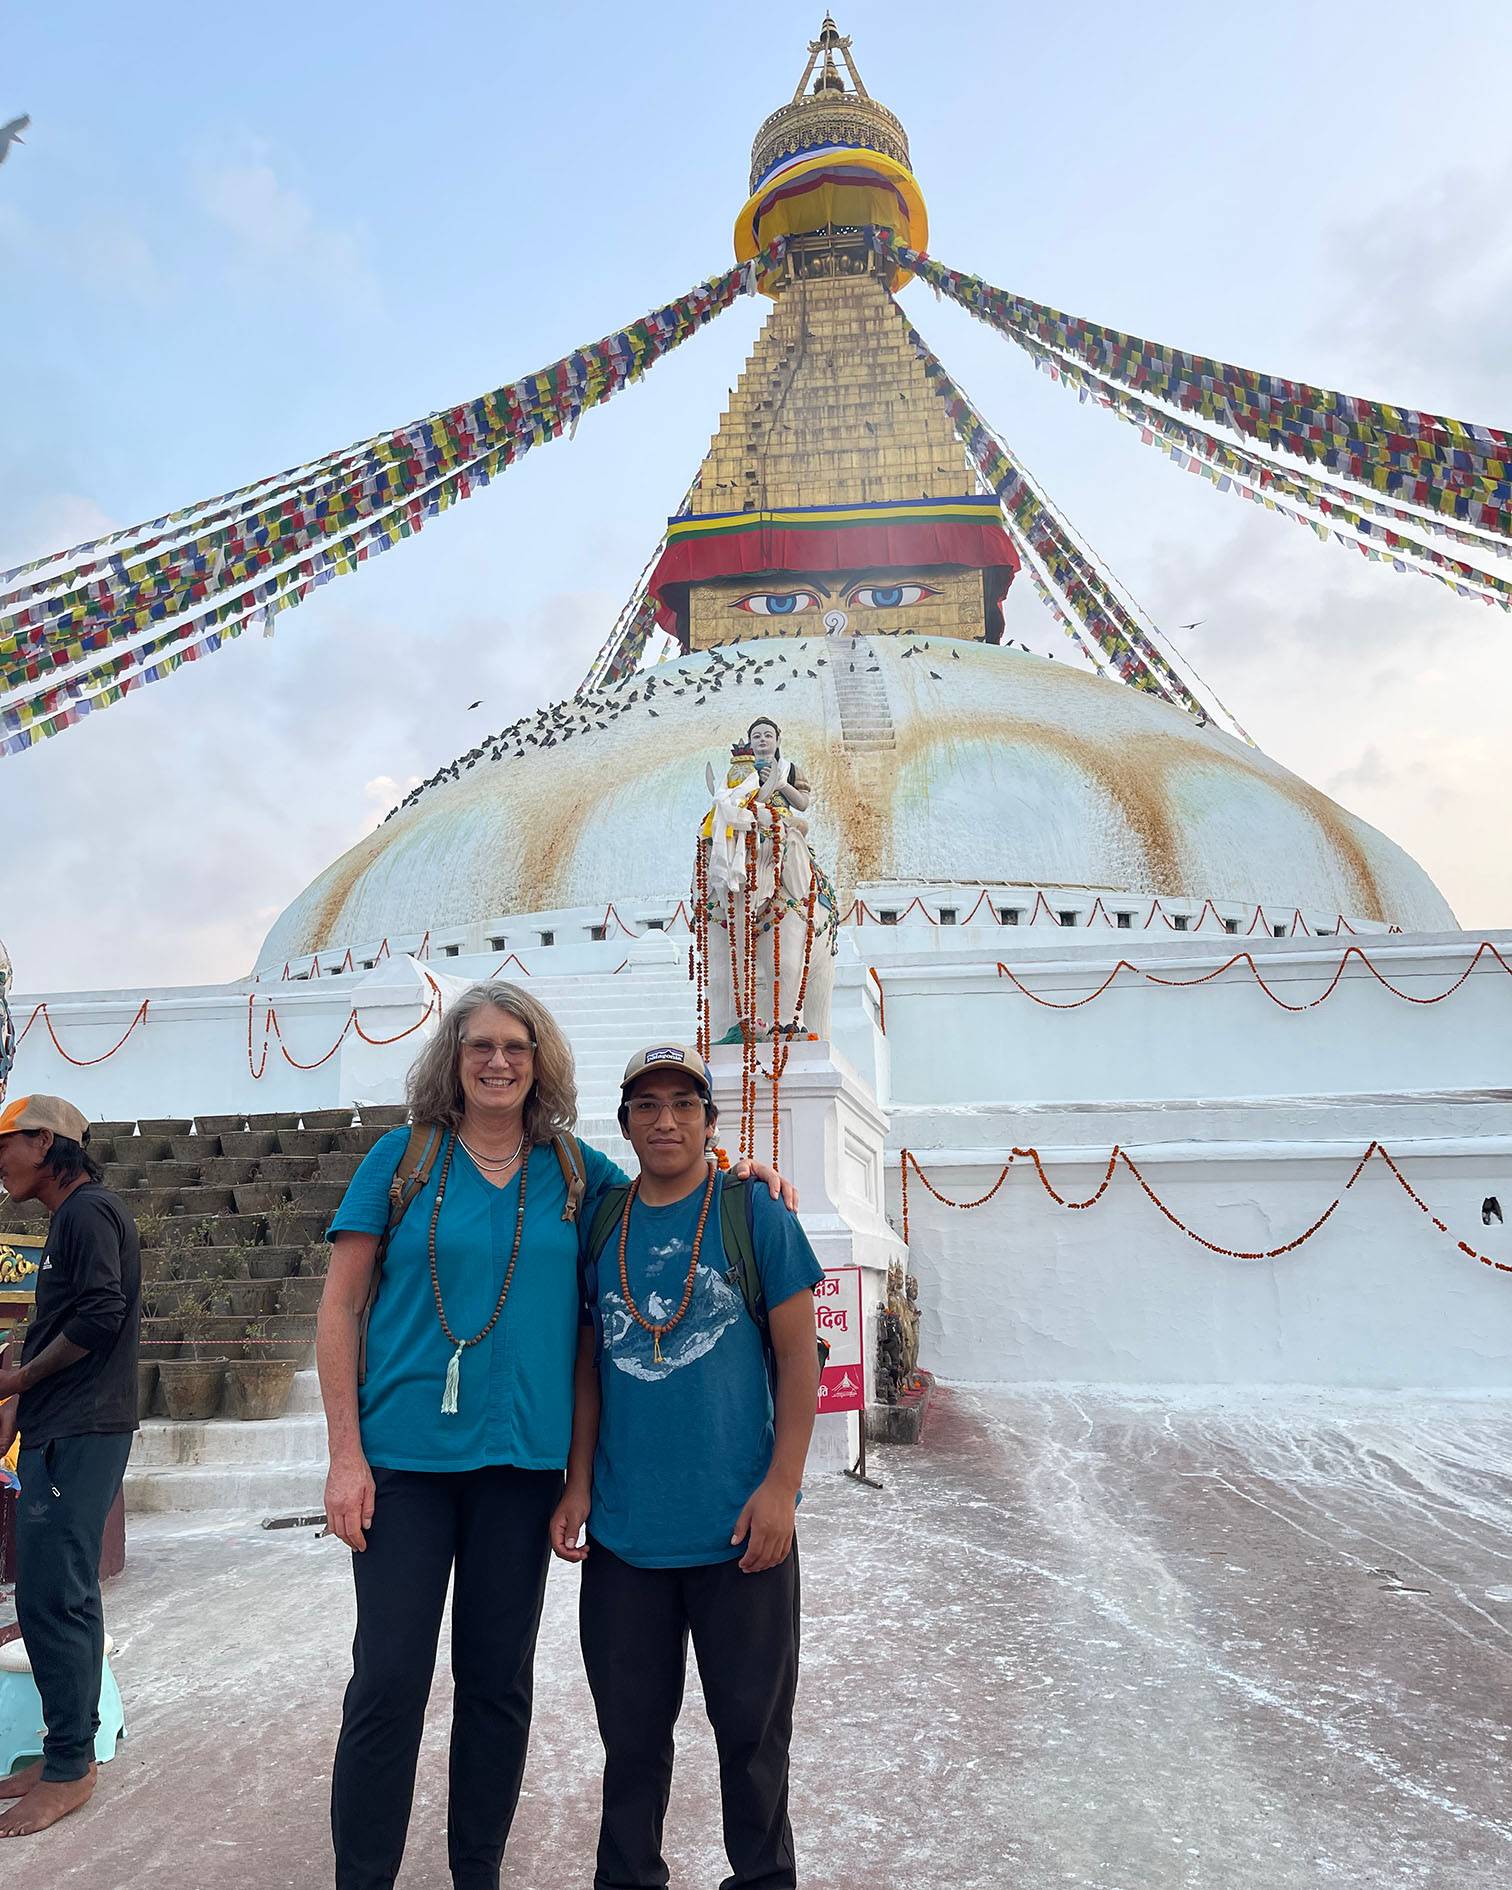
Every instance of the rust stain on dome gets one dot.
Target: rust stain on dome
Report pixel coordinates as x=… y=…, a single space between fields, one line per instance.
x=551 y=827
x=341 y=882
x=1125 y=775
x=518 y=836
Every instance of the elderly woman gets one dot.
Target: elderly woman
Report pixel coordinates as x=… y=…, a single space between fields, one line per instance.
x=448 y=1449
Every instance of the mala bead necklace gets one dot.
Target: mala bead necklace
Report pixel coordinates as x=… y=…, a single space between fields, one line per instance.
x=657 y=1331
x=452 y=1389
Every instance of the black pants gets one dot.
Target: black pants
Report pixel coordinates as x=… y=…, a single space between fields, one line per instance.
x=635 y=1624
x=67 y=1488
x=485 y=1529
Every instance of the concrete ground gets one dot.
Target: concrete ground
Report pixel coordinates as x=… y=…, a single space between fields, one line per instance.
x=1083 y=1638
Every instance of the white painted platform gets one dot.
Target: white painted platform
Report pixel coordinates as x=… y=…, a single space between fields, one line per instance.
x=269 y=1468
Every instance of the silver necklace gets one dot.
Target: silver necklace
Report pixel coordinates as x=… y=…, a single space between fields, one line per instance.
x=480 y=1161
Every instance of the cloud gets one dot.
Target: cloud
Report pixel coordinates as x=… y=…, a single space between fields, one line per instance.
x=195 y=811
x=51 y=522
x=275 y=234
x=1422 y=285
x=1387 y=691
x=120 y=264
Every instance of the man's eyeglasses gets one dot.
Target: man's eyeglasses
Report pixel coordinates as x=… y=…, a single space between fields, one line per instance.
x=517 y=1050
x=647 y=1109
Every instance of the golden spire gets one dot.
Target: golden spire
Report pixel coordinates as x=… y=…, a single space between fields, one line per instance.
x=830 y=42
x=829 y=164
x=828 y=113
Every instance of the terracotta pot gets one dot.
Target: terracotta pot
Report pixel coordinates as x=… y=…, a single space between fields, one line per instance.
x=147 y=1383
x=259 y=1388
x=302 y=1296
x=191 y=1388
x=250 y=1299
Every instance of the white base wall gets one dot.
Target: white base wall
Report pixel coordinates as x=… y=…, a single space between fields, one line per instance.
x=1022 y=1290
x=1246 y=1117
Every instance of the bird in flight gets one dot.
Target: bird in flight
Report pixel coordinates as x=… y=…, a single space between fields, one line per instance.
x=1192 y=626
x=11 y=134
x=476 y=705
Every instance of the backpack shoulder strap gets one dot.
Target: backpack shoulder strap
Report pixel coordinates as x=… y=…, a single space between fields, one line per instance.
x=569 y=1154
x=605 y=1220
x=610 y=1208
x=740 y=1246
x=410 y=1177
x=414 y=1169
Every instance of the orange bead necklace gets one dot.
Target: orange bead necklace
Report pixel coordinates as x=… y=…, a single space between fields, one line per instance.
x=658 y=1331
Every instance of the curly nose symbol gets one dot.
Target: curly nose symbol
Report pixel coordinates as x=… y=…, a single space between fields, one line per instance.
x=835 y=621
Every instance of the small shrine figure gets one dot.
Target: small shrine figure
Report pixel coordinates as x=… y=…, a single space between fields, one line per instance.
x=892 y=1369
x=766 y=911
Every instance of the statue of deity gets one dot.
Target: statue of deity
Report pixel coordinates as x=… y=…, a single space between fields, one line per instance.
x=767 y=911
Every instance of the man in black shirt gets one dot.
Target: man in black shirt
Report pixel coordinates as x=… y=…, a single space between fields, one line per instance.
x=77 y=1411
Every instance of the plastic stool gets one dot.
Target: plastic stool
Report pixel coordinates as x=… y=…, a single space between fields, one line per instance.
x=21 y=1722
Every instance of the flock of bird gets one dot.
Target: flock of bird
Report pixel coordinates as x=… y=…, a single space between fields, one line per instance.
x=594 y=710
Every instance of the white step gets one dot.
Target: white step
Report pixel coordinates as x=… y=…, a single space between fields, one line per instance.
x=161 y=1445
x=265 y=1490
x=275 y=1467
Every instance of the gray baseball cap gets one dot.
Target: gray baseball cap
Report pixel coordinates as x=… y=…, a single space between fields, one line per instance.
x=674 y=1057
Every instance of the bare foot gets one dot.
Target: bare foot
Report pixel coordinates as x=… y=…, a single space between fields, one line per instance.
x=45 y=1804
x=18 y=1784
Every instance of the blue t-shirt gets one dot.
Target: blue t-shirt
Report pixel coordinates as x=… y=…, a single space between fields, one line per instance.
x=515 y=1402
x=682 y=1444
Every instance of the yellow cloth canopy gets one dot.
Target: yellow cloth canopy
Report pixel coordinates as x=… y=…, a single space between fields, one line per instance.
x=843 y=187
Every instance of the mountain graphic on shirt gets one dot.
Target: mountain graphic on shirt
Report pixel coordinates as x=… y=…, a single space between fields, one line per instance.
x=715 y=1307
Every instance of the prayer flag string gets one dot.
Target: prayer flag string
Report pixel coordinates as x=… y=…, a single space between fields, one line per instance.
x=242 y=569
x=1233 y=468
x=1457 y=468
x=1130 y=653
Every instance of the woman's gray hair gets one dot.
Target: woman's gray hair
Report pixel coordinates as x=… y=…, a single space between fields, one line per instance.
x=435 y=1085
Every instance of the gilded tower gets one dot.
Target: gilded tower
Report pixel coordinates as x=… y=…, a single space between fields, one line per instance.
x=835 y=495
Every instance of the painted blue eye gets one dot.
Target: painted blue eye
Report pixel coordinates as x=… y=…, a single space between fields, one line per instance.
x=889 y=596
x=777 y=603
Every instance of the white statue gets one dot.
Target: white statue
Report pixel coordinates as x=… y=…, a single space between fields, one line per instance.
x=769 y=893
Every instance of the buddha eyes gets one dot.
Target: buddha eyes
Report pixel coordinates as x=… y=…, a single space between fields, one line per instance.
x=864 y=596
x=777 y=603
x=889 y=596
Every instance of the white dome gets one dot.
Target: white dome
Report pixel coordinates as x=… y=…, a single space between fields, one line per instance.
x=1005 y=769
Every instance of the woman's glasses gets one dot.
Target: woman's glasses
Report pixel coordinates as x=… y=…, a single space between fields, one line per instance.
x=516 y=1050
x=647 y=1109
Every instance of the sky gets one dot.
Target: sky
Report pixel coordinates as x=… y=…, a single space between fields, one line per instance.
x=232 y=242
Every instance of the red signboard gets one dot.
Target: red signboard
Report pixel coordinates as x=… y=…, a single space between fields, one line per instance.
x=837 y=1311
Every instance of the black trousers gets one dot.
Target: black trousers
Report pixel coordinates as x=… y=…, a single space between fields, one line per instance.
x=486 y=1531
x=635 y=1624
x=67 y=1488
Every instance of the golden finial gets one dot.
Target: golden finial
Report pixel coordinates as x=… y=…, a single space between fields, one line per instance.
x=829 y=164
x=829 y=82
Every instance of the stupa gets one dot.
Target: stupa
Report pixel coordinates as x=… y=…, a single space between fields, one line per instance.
x=1119 y=1002
x=840 y=567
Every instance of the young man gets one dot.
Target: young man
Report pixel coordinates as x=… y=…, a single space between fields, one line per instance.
x=77 y=1413
x=701 y=1422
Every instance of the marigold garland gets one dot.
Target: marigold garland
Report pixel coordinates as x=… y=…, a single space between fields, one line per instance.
x=1247 y=960
x=1120 y=1156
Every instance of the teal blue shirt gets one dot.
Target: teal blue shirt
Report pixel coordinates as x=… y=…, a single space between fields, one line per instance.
x=683 y=1443
x=515 y=1404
